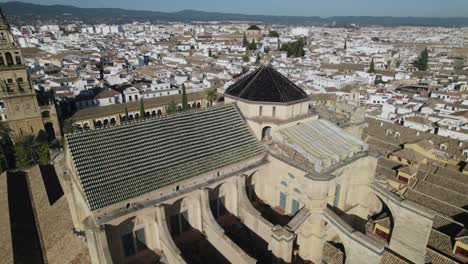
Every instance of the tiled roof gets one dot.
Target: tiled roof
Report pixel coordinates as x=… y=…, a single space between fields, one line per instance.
x=443 y=194
x=118 y=163
x=331 y=254
x=442 y=243
x=434 y=204
x=377 y=130
x=434 y=257
x=391 y=258
x=114 y=109
x=266 y=85
x=107 y=94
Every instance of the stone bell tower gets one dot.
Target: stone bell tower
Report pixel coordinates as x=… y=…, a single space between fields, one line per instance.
x=23 y=113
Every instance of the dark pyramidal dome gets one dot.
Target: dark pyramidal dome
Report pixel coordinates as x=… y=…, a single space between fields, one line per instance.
x=266 y=85
x=253 y=27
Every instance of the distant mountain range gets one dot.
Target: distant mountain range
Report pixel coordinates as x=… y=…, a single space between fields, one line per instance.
x=21 y=13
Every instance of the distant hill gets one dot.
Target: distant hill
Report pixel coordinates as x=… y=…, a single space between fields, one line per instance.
x=26 y=13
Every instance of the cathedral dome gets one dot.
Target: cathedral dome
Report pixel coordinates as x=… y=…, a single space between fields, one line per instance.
x=266 y=85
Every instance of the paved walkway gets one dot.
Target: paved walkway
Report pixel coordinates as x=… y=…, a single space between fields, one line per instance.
x=44 y=229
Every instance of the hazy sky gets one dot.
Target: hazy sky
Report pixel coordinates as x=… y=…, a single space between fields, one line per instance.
x=323 y=8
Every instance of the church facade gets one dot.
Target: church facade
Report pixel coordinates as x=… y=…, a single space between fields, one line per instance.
x=257 y=180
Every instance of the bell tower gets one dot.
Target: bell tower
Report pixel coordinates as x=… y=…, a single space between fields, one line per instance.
x=22 y=110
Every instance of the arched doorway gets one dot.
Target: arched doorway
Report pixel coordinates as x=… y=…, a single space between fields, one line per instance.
x=153 y=113
x=159 y=112
x=106 y=122
x=266 y=134
x=134 y=240
x=112 y=121
x=9 y=58
x=49 y=127
x=198 y=105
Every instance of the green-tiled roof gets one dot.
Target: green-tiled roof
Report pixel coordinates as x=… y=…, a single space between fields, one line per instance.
x=122 y=162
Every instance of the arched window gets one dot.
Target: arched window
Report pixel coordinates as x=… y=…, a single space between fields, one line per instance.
x=198 y=105
x=98 y=123
x=18 y=60
x=266 y=134
x=9 y=58
x=159 y=112
x=153 y=113
x=2 y=61
x=112 y=121
x=106 y=122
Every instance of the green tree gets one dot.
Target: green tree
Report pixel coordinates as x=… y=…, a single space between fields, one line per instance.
x=5 y=146
x=185 y=105
x=211 y=96
x=273 y=34
x=294 y=49
x=29 y=150
x=398 y=63
x=245 y=42
x=422 y=60
x=142 y=109
x=43 y=149
x=171 y=108
x=5 y=131
x=252 y=45
x=372 y=66
x=25 y=152
x=245 y=58
x=68 y=126
x=101 y=69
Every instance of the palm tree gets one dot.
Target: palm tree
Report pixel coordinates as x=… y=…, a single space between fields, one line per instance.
x=211 y=96
x=5 y=132
x=5 y=145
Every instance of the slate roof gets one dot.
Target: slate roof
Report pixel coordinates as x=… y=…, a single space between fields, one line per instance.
x=253 y=27
x=118 y=163
x=266 y=84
